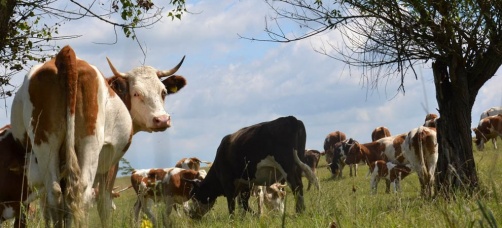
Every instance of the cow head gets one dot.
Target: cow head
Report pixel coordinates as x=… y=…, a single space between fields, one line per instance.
x=143 y=92
x=340 y=152
x=201 y=202
x=480 y=139
x=354 y=154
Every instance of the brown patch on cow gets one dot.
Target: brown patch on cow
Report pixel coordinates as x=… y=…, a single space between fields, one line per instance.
x=367 y=152
x=45 y=86
x=430 y=116
x=48 y=93
x=193 y=163
x=380 y=132
x=399 y=172
x=120 y=86
x=398 y=141
x=14 y=188
x=333 y=138
x=87 y=97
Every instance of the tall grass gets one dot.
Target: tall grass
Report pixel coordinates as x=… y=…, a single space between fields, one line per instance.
x=348 y=202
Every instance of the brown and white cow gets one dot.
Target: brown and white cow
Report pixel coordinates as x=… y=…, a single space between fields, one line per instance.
x=421 y=150
x=14 y=188
x=312 y=158
x=430 y=120
x=387 y=149
x=390 y=172
x=260 y=154
x=493 y=111
x=380 y=132
x=487 y=128
x=270 y=197
x=84 y=125
x=329 y=144
x=190 y=163
x=169 y=186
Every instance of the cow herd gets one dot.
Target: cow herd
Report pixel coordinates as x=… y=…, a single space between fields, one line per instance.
x=70 y=126
x=393 y=157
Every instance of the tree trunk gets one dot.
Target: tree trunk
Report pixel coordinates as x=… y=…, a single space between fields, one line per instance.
x=6 y=12
x=456 y=169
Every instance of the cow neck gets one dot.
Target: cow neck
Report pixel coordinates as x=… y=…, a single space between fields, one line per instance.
x=209 y=183
x=367 y=149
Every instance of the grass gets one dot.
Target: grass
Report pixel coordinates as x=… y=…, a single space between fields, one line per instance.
x=337 y=201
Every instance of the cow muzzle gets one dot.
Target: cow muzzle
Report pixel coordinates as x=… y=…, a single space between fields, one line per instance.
x=161 y=123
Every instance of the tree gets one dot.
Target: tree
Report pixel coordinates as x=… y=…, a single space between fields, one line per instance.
x=386 y=38
x=29 y=27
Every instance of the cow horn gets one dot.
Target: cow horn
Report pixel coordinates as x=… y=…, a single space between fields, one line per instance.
x=114 y=71
x=193 y=181
x=165 y=73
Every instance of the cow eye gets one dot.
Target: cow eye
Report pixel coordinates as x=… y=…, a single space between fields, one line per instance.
x=164 y=94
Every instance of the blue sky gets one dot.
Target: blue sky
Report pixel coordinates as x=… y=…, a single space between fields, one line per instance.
x=233 y=82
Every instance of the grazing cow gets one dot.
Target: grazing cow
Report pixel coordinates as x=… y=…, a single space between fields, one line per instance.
x=380 y=132
x=387 y=149
x=99 y=118
x=329 y=144
x=261 y=154
x=312 y=158
x=271 y=197
x=190 y=163
x=430 y=120
x=421 y=150
x=338 y=161
x=390 y=172
x=488 y=128
x=493 y=111
x=14 y=188
x=168 y=185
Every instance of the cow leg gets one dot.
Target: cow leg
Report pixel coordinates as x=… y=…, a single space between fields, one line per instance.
x=49 y=171
x=374 y=184
x=104 y=202
x=169 y=201
x=231 y=204
x=396 y=185
x=296 y=185
x=147 y=205
x=244 y=201
x=494 y=141
x=137 y=208
x=387 y=185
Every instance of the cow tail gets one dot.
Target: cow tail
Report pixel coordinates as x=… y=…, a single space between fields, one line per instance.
x=306 y=169
x=421 y=139
x=66 y=63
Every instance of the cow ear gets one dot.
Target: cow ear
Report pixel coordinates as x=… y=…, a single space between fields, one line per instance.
x=121 y=87
x=174 y=83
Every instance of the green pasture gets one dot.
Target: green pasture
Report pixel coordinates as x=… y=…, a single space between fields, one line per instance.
x=348 y=202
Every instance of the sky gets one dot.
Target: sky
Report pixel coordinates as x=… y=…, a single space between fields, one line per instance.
x=233 y=82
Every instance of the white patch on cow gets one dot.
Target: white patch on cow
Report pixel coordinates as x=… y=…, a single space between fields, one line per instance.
x=171 y=172
x=269 y=171
x=203 y=173
x=185 y=163
x=8 y=213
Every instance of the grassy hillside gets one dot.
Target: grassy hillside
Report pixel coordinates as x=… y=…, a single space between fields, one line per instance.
x=336 y=201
